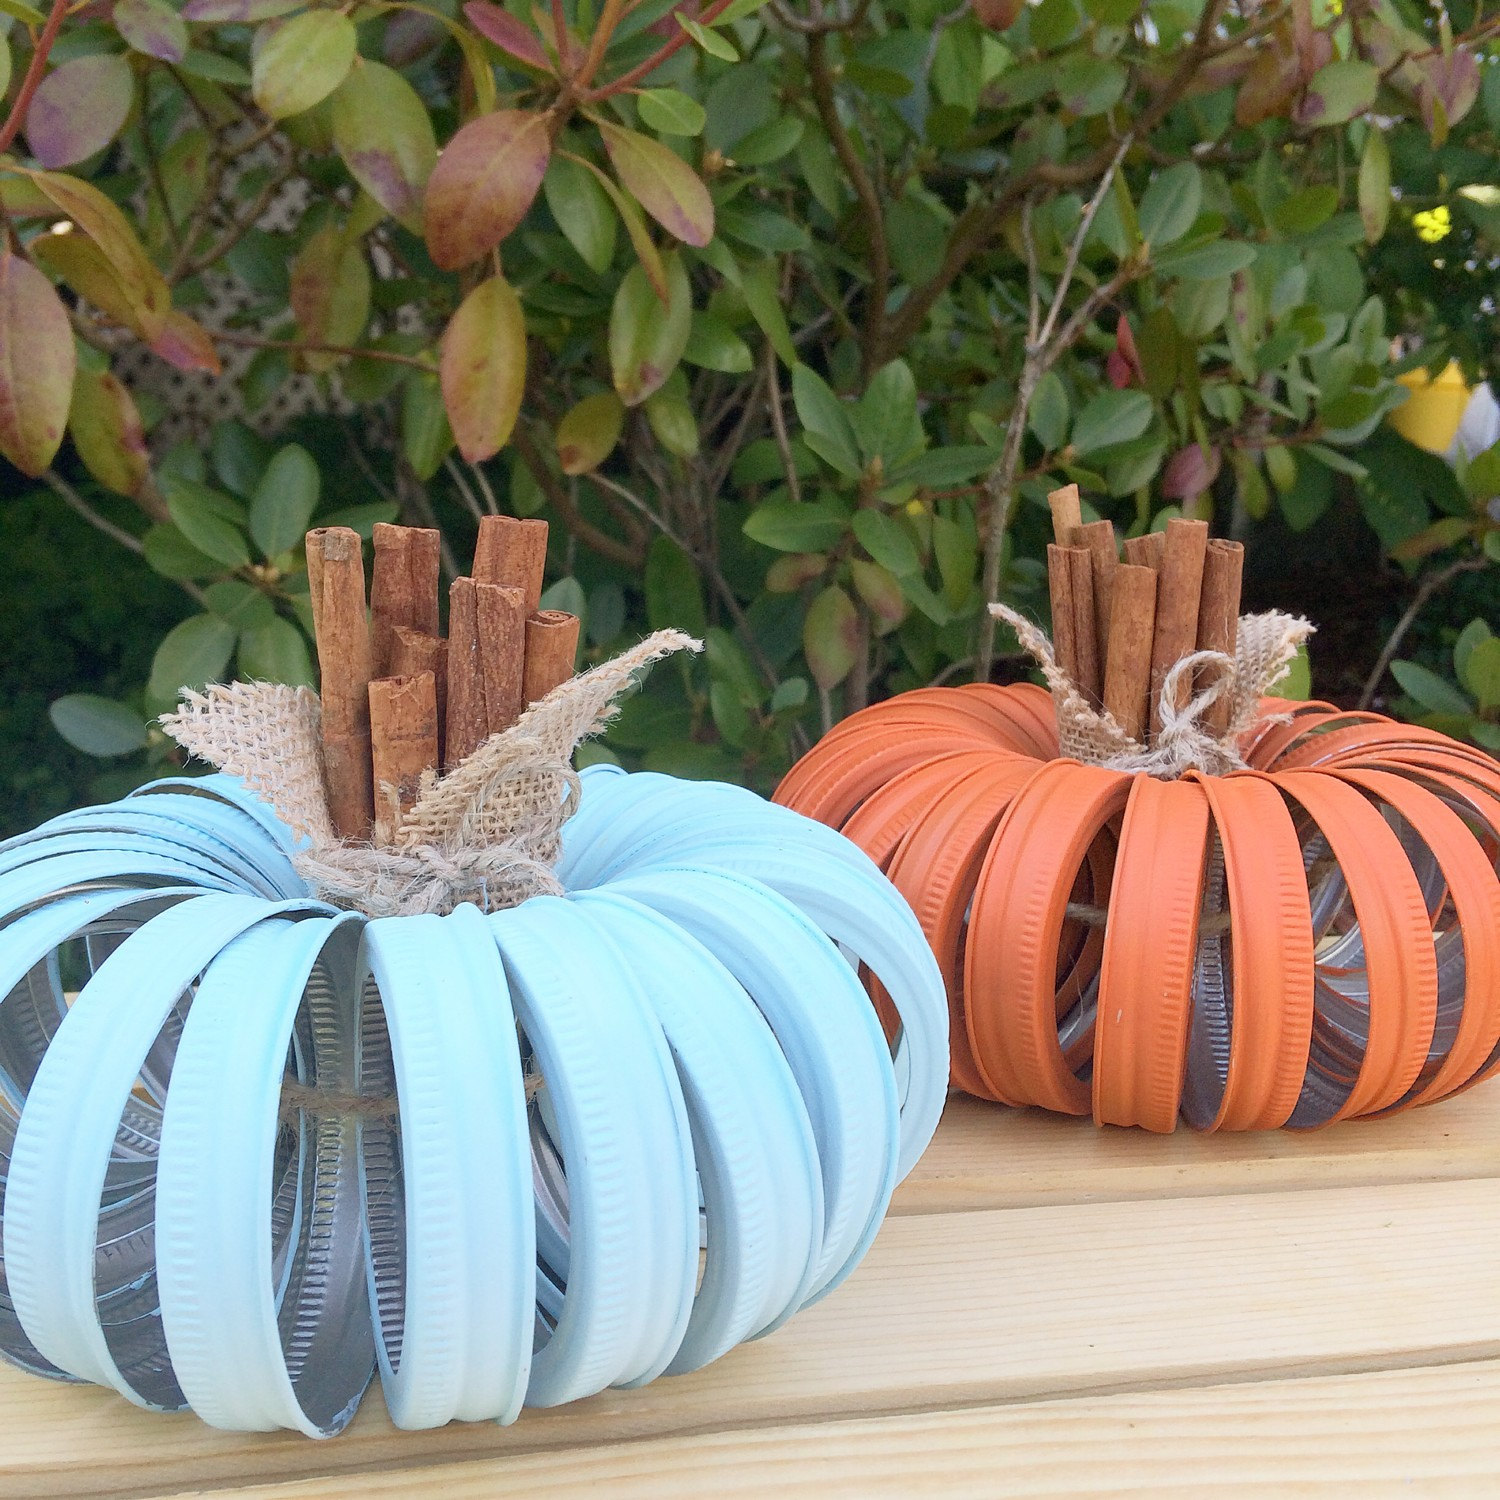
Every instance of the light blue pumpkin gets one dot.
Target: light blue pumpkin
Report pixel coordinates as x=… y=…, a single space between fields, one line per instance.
x=633 y=1125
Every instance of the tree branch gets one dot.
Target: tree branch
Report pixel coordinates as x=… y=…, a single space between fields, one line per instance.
x=29 y=84
x=1431 y=584
x=558 y=497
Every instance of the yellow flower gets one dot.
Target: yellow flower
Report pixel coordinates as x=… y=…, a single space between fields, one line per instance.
x=1433 y=224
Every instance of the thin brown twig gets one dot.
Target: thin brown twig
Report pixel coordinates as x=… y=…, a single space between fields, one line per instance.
x=292 y=346
x=1431 y=584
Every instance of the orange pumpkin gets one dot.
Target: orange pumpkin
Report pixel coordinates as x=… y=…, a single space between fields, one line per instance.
x=1310 y=939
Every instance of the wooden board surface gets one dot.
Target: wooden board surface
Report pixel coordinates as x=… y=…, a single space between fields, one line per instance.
x=1051 y=1310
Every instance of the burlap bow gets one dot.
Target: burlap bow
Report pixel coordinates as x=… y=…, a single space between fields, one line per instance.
x=1267 y=645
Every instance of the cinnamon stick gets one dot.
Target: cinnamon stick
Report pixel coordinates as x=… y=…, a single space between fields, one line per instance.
x=551 y=645
x=1178 y=591
x=1064 y=616
x=414 y=651
x=1132 y=623
x=403 y=588
x=404 y=738
x=314 y=547
x=1067 y=513
x=502 y=653
x=1219 y=615
x=466 y=726
x=1146 y=551
x=344 y=664
x=1099 y=538
x=512 y=553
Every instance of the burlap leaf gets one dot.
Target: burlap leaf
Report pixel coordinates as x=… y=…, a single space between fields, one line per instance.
x=488 y=832
x=268 y=735
x=1267 y=645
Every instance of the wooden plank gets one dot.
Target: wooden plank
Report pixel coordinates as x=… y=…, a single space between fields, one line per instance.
x=948 y=1310
x=1422 y=1432
x=986 y=1156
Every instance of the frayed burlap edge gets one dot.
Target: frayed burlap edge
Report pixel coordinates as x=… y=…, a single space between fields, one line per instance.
x=1267 y=645
x=488 y=832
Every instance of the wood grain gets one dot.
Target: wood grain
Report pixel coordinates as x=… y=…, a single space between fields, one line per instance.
x=949 y=1310
x=1337 y=1438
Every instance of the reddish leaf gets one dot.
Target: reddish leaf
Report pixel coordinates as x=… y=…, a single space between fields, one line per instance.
x=384 y=133
x=79 y=109
x=1269 y=84
x=998 y=15
x=186 y=344
x=139 y=281
x=410 y=36
x=589 y=432
x=830 y=637
x=1189 y=472
x=482 y=366
x=152 y=28
x=1452 y=82
x=484 y=183
x=881 y=592
x=107 y=432
x=787 y=574
x=37 y=363
x=511 y=36
x=662 y=183
x=1124 y=365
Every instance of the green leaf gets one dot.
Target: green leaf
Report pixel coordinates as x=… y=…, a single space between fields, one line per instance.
x=483 y=184
x=662 y=183
x=1206 y=262
x=1304 y=211
x=674 y=596
x=298 y=63
x=191 y=655
x=169 y=553
x=384 y=134
x=671 y=418
x=582 y=210
x=955 y=544
x=1111 y=417
x=482 y=367
x=1048 y=417
x=242 y=604
x=588 y=432
x=826 y=426
x=330 y=291
x=282 y=505
x=97 y=726
x=426 y=436
x=711 y=42
x=713 y=345
x=216 y=69
x=787 y=526
x=1431 y=691
x=1170 y=205
x=20 y=11
x=1088 y=85
x=830 y=637
x=1483 y=675
x=1469 y=637
x=770 y=142
x=646 y=339
x=885 y=417
x=275 y=652
x=1297 y=684
x=363 y=518
x=887 y=541
x=670 y=112
x=208 y=520
x=763 y=298
x=944 y=468
x=1338 y=92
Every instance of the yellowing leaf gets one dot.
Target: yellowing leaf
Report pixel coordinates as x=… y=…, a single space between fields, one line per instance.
x=1375 y=184
x=588 y=433
x=186 y=345
x=384 y=133
x=635 y=226
x=97 y=216
x=483 y=184
x=298 y=63
x=107 y=432
x=830 y=637
x=482 y=366
x=662 y=183
x=79 y=109
x=330 y=292
x=37 y=363
x=646 y=339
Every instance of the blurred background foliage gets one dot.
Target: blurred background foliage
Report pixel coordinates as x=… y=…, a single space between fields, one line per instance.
x=786 y=315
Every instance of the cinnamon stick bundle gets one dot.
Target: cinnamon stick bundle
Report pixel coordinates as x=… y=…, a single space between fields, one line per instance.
x=404 y=735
